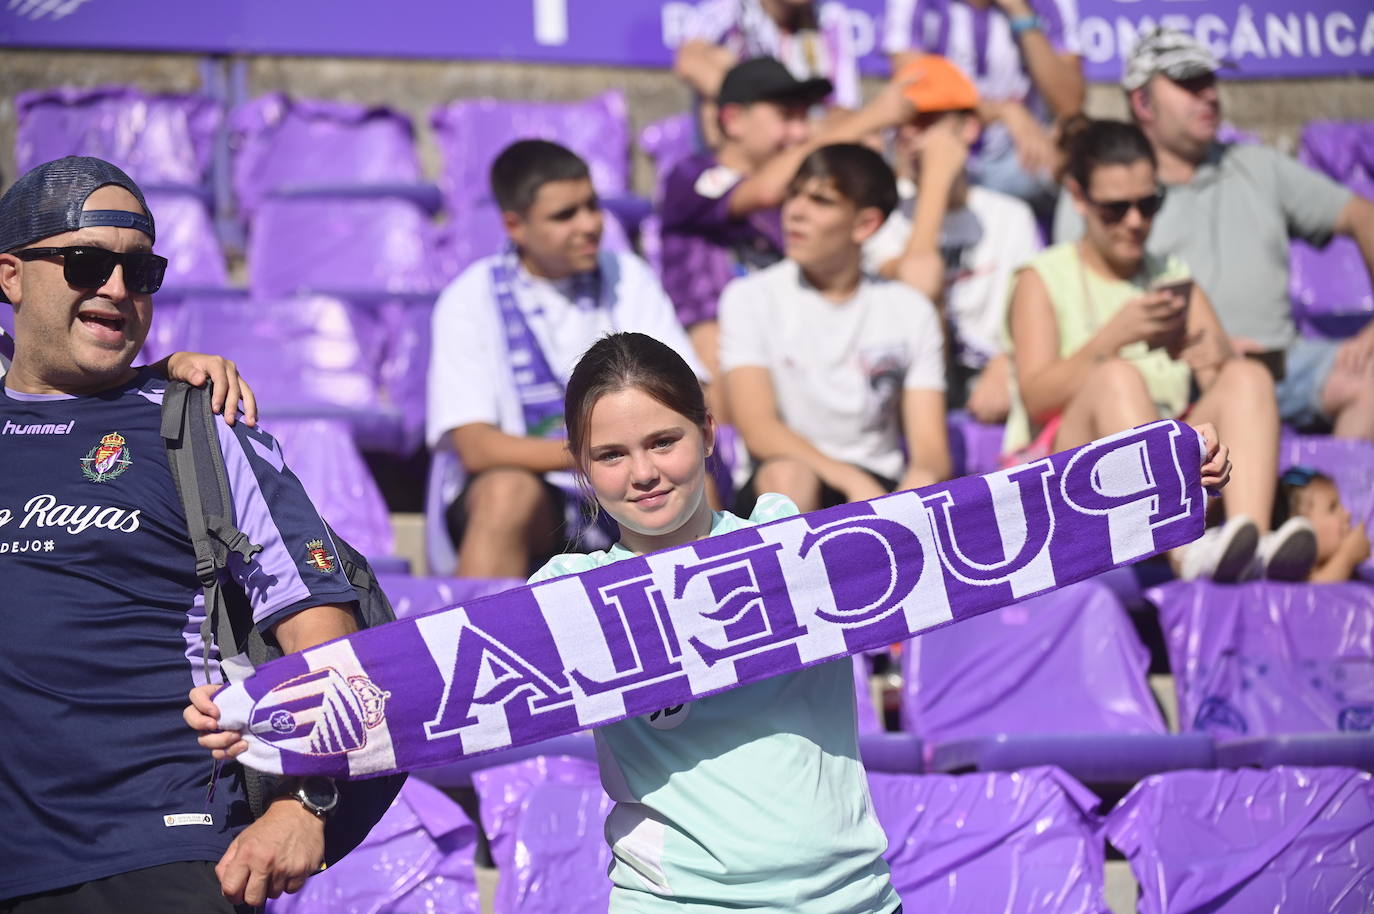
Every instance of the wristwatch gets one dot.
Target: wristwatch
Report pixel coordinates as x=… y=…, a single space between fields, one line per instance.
x=317 y=794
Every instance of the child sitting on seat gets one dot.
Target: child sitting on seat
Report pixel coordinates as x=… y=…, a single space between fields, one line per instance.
x=1341 y=545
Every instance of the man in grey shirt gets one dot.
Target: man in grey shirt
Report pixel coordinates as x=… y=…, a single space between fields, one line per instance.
x=1229 y=213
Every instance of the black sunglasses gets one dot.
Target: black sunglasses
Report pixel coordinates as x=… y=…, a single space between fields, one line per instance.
x=1113 y=211
x=90 y=268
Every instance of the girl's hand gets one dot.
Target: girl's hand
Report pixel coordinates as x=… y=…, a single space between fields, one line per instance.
x=195 y=368
x=1216 y=462
x=202 y=715
x=1354 y=547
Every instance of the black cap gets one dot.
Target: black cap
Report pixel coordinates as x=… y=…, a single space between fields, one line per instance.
x=765 y=79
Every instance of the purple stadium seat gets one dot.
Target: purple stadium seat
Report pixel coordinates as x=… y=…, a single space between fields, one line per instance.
x=1264 y=660
x=1016 y=843
x=415 y=596
x=353 y=247
x=323 y=456
x=1058 y=679
x=668 y=141
x=186 y=237
x=472 y=132
x=1350 y=463
x=160 y=140
x=975 y=447
x=286 y=144
x=419 y=857
x=1330 y=287
x=543 y=817
x=1236 y=842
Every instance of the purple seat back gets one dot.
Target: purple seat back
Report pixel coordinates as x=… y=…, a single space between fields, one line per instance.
x=1018 y=843
x=544 y=817
x=1065 y=662
x=975 y=447
x=281 y=143
x=1350 y=463
x=1333 y=280
x=1235 y=842
x=1266 y=658
x=668 y=141
x=357 y=246
x=418 y=857
x=186 y=237
x=157 y=139
x=472 y=132
x=415 y=596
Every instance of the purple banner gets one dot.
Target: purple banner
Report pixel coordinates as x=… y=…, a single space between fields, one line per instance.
x=1264 y=38
x=670 y=627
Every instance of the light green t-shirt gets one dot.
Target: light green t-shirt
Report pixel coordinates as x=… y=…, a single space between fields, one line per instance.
x=1083 y=302
x=751 y=799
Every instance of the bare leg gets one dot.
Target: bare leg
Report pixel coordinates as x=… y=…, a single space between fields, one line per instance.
x=1348 y=398
x=791 y=478
x=1241 y=404
x=510 y=518
x=705 y=337
x=1113 y=398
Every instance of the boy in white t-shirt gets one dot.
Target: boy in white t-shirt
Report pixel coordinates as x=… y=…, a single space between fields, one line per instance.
x=826 y=367
x=957 y=243
x=506 y=335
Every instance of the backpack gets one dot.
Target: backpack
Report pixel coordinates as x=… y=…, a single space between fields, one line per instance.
x=197 y=463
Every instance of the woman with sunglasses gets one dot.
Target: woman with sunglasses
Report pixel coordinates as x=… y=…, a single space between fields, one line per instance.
x=1105 y=336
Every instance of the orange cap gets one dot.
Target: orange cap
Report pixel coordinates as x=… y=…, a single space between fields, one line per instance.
x=938 y=85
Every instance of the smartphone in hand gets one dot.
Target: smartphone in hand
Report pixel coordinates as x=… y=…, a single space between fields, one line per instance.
x=1181 y=291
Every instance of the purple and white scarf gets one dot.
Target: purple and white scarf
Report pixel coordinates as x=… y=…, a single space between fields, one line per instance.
x=677 y=625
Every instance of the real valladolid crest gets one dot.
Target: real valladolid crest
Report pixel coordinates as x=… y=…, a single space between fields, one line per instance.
x=662 y=629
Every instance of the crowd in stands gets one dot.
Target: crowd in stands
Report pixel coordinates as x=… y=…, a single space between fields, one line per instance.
x=858 y=287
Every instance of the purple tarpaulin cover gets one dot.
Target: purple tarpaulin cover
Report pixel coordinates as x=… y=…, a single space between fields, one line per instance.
x=544 y=818
x=682 y=623
x=1024 y=842
x=1065 y=662
x=1237 y=842
x=1267 y=658
x=418 y=857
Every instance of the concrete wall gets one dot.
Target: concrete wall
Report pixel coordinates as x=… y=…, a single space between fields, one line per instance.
x=1275 y=110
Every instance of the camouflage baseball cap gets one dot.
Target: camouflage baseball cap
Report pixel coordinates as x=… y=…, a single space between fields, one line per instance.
x=1176 y=54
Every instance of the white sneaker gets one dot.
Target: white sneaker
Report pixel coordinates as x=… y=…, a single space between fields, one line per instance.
x=1223 y=553
x=1286 y=554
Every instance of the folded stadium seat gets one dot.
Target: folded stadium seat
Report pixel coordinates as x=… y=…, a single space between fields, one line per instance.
x=1236 y=842
x=1330 y=287
x=1350 y=463
x=164 y=140
x=418 y=857
x=472 y=132
x=1276 y=673
x=286 y=146
x=974 y=447
x=1058 y=679
x=1018 y=843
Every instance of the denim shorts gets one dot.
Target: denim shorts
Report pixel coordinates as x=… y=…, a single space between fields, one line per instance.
x=1307 y=365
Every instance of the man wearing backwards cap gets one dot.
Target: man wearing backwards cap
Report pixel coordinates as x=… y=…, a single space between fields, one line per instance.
x=720 y=211
x=1229 y=213
x=104 y=792
x=957 y=243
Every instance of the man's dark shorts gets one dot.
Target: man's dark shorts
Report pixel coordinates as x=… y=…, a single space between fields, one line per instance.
x=171 y=888
x=830 y=497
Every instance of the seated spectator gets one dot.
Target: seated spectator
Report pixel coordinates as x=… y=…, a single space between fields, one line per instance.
x=720 y=211
x=957 y=244
x=1311 y=498
x=827 y=367
x=507 y=333
x=1106 y=336
x=811 y=43
x=1229 y=213
x=1024 y=57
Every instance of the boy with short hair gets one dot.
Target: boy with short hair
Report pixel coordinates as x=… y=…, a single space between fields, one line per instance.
x=959 y=244
x=507 y=333
x=826 y=367
x=720 y=210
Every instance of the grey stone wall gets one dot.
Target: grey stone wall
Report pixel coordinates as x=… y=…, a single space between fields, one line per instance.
x=1273 y=109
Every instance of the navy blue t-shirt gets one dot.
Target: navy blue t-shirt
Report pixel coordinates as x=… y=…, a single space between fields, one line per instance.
x=100 y=613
